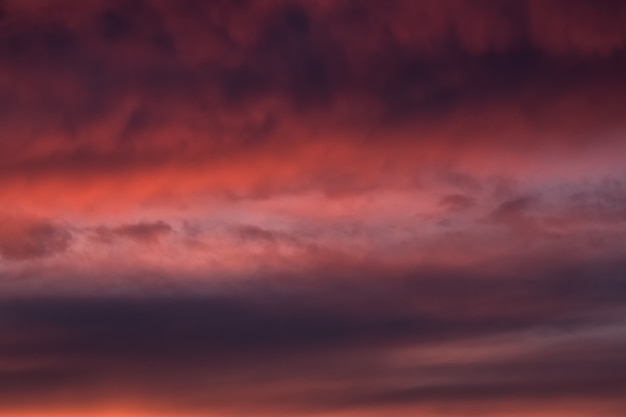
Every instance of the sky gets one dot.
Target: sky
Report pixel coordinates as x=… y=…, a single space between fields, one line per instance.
x=325 y=208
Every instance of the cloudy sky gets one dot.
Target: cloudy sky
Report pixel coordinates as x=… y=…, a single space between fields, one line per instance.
x=334 y=208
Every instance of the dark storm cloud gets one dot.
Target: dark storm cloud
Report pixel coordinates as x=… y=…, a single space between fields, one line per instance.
x=248 y=347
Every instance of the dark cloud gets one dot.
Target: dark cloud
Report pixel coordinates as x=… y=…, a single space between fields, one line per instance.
x=538 y=70
x=116 y=26
x=255 y=233
x=248 y=233
x=26 y=238
x=139 y=232
x=264 y=345
x=604 y=201
x=513 y=209
x=457 y=202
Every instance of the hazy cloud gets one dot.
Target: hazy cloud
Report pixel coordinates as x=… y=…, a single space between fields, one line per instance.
x=30 y=238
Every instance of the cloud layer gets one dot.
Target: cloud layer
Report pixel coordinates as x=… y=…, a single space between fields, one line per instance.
x=296 y=207
x=300 y=345
x=161 y=96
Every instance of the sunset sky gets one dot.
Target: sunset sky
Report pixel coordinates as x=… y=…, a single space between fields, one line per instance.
x=333 y=208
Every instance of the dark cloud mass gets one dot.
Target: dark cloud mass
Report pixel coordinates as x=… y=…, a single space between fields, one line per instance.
x=544 y=338
x=117 y=85
x=139 y=232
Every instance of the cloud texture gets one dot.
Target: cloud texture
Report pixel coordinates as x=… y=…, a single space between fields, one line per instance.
x=309 y=207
